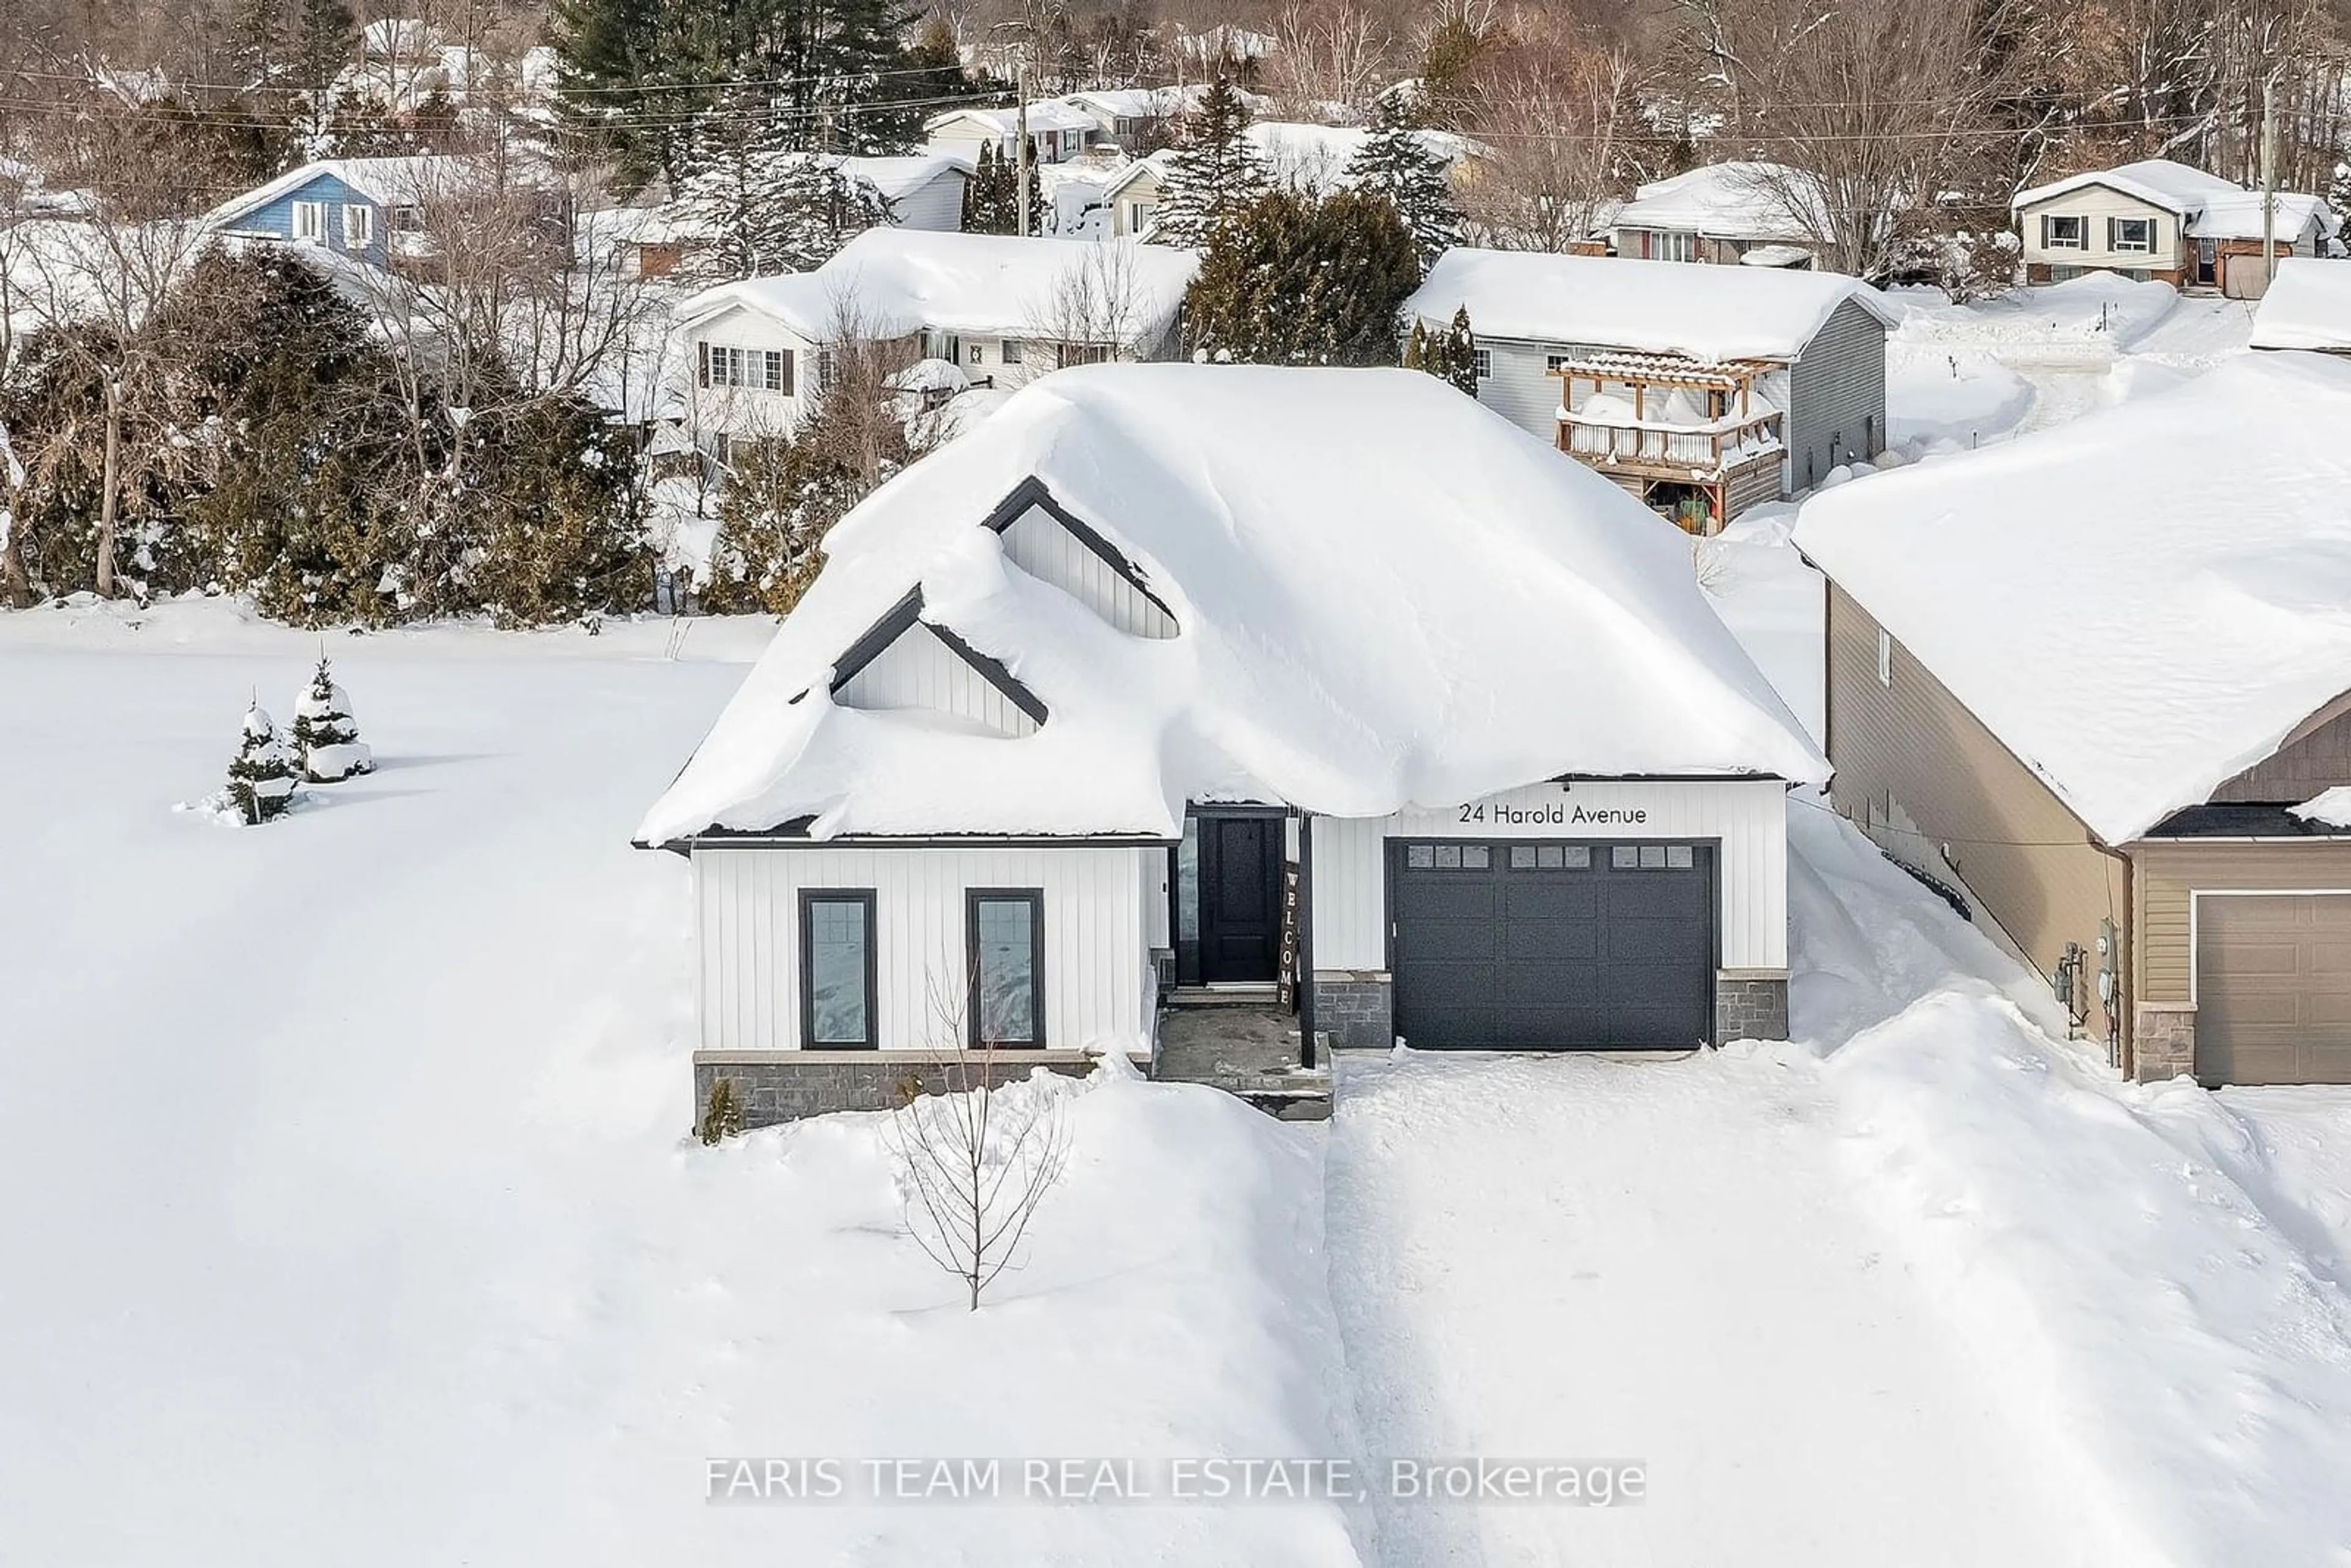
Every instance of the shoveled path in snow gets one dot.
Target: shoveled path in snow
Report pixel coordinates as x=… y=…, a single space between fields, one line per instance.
x=1577 y=1258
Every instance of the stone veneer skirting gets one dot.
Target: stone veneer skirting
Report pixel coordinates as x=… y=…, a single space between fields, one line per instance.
x=1353 y=1010
x=1749 y=1007
x=2163 y=1042
x=774 y=1086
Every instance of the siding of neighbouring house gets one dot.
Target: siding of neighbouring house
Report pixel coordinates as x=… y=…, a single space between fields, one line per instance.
x=276 y=217
x=2094 y=205
x=2167 y=872
x=1522 y=389
x=936 y=204
x=1836 y=396
x=750 y=411
x=1916 y=770
x=1099 y=928
x=2316 y=759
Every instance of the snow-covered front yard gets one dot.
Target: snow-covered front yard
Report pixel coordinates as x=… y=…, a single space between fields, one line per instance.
x=348 y=1213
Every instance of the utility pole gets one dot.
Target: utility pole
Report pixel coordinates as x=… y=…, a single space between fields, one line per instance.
x=2269 y=179
x=1021 y=155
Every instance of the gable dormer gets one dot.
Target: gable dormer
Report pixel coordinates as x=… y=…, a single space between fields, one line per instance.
x=1045 y=540
x=907 y=664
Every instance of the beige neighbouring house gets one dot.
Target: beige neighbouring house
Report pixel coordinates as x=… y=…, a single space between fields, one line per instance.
x=2097 y=683
x=2165 y=222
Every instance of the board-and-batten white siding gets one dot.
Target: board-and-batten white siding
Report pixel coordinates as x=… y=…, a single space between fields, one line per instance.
x=1038 y=545
x=1097 y=932
x=919 y=671
x=1746 y=817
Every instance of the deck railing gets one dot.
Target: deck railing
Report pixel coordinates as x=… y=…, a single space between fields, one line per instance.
x=1709 y=448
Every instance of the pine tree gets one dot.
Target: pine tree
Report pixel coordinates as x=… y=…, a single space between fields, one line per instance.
x=991 y=198
x=1215 y=175
x=765 y=208
x=261 y=776
x=1296 y=281
x=1396 y=163
x=326 y=736
x=1461 y=357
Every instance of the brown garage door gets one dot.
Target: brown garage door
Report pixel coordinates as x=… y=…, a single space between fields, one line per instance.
x=2273 y=988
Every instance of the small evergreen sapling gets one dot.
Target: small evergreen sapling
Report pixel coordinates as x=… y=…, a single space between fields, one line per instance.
x=261 y=778
x=326 y=736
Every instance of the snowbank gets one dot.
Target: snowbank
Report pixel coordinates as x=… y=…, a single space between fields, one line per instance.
x=2169 y=582
x=1359 y=629
x=1664 y=307
x=2308 y=305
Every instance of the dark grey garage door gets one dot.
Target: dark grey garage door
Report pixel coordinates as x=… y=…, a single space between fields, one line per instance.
x=1550 y=946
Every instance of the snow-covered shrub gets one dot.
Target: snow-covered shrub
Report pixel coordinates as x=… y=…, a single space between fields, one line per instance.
x=262 y=776
x=326 y=736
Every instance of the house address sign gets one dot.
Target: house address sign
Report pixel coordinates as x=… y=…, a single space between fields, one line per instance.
x=1554 y=813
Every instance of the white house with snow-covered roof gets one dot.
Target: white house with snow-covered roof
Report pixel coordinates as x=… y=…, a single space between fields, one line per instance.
x=2159 y=220
x=1058 y=130
x=1739 y=212
x=1184 y=680
x=1002 y=308
x=2098 y=680
x=1700 y=390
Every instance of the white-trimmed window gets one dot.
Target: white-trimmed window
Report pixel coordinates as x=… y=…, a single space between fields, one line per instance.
x=359 y=225
x=1485 y=362
x=1884 y=657
x=727 y=365
x=2062 y=232
x=311 y=223
x=1011 y=351
x=2131 y=234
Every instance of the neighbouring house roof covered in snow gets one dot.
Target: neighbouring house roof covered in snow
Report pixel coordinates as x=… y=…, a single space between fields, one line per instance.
x=1663 y=306
x=1309 y=157
x=1146 y=102
x=2308 y=305
x=2239 y=216
x=902 y=281
x=2213 y=208
x=1737 y=201
x=1044 y=114
x=2140 y=604
x=899 y=177
x=1357 y=628
x=388 y=182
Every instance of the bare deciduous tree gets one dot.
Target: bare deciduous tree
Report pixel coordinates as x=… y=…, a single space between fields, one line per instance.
x=1560 y=118
x=977 y=1160
x=1329 y=52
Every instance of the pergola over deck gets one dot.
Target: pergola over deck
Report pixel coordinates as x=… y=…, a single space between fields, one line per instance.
x=1700 y=474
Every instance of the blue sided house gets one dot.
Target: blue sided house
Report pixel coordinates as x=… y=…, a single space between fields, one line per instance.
x=369 y=209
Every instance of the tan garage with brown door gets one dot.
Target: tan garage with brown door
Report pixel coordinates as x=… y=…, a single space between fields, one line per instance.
x=2273 y=988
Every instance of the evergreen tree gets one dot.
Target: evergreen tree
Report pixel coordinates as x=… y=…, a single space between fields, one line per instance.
x=261 y=776
x=1459 y=357
x=991 y=197
x=1292 y=280
x=1396 y=162
x=765 y=208
x=1216 y=174
x=326 y=736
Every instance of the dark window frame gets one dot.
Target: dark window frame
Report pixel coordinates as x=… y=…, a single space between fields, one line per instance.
x=972 y=899
x=863 y=896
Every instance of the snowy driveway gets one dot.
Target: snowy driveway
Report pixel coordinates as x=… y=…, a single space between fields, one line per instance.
x=1588 y=1259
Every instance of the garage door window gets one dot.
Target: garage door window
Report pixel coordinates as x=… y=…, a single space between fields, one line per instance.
x=1550 y=857
x=1448 y=857
x=1651 y=857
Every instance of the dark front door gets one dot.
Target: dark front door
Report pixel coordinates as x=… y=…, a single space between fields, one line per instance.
x=1551 y=946
x=1240 y=898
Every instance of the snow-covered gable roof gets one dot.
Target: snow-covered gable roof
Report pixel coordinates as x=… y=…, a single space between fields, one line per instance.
x=1044 y=114
x=389 y=181
x=902 y=281
x=1742 y=200
x=1661 y=307
x=899 y=177
x=1144 y=102
x=2308 y=305
x=2159 y=181
x=1357 y=627
x=2140 y=604
x=1315 y=157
